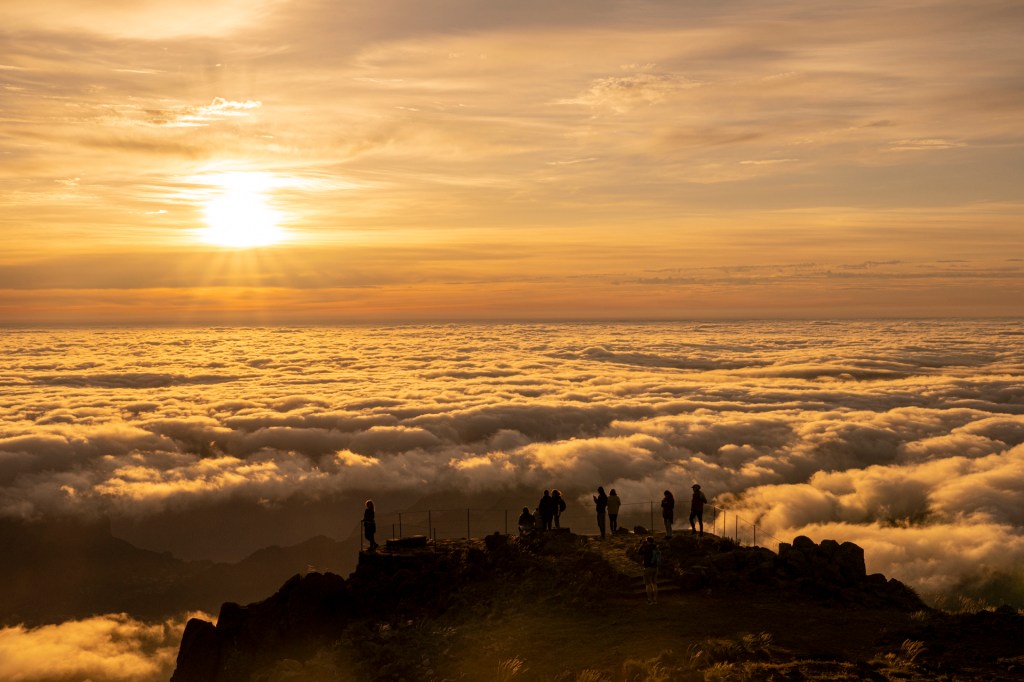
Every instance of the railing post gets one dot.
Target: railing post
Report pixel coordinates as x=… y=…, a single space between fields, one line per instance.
x=737 y=520
x=399 y=524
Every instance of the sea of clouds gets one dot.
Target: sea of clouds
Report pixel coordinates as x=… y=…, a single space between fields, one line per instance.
x=902 y=436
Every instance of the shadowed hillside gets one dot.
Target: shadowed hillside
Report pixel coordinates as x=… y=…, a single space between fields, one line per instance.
x=57 y=571
x=564 y=607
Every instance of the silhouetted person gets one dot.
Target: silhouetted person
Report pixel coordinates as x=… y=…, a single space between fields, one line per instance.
x=651 y=557
x=526 y=521
x=668 y=512
x=697 y=503
x=546 y=509
x=370 y=525
x=556 y=495
x=601 y=500
x=613 y=510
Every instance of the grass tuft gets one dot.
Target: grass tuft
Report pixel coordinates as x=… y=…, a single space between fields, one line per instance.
x=509 y=669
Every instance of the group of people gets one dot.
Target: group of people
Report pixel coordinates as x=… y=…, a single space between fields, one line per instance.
x=609 y=503
x=549 y=512
x=668 y=511
x=552 y=505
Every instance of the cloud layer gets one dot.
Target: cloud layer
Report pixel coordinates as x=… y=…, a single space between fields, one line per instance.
x=106 y=648
x=893 y=434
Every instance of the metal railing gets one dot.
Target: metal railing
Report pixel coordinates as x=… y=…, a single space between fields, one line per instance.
x=454 y=524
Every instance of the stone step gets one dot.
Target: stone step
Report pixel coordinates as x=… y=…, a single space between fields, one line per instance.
x=406 y=543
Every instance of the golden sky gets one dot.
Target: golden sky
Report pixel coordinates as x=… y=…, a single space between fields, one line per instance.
x=497 y=160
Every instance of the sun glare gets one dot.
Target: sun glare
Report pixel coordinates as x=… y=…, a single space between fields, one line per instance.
x=238 y=214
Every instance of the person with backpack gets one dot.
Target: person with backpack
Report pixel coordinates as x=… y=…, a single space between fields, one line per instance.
x=650 y=556
x=697 y=503
x=556 y=495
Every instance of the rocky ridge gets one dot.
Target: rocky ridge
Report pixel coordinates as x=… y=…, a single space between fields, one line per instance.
x=435 y=611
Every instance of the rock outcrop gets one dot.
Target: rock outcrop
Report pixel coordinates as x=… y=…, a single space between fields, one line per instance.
x=828 y=571
x=300 y=617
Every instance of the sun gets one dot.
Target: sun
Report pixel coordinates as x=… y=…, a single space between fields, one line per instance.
x=238 y=214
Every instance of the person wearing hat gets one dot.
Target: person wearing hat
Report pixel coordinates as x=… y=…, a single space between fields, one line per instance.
x=697 y=503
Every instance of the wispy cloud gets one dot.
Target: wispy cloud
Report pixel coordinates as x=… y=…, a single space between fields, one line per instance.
x=923 y=145
x=218 y=109
x=622 y=93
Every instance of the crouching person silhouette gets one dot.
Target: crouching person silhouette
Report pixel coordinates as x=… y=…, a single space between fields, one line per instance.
x=526 y=522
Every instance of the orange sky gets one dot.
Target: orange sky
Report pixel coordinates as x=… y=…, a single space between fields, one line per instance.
x=467 y=160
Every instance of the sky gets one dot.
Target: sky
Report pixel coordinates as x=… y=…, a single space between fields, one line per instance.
x=306 y=161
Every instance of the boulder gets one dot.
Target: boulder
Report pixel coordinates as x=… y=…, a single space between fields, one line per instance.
x=804 y=543
x=828 y=548
x=496 y=542
x=850 y=558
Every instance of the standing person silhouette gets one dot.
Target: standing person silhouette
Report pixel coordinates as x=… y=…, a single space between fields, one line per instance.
x=613 y=510
x=668 y=512
x=697 y=503
x=556 y=495
x=651 y=557
x=370 y=524
x=546 y=509
x=601 y=500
